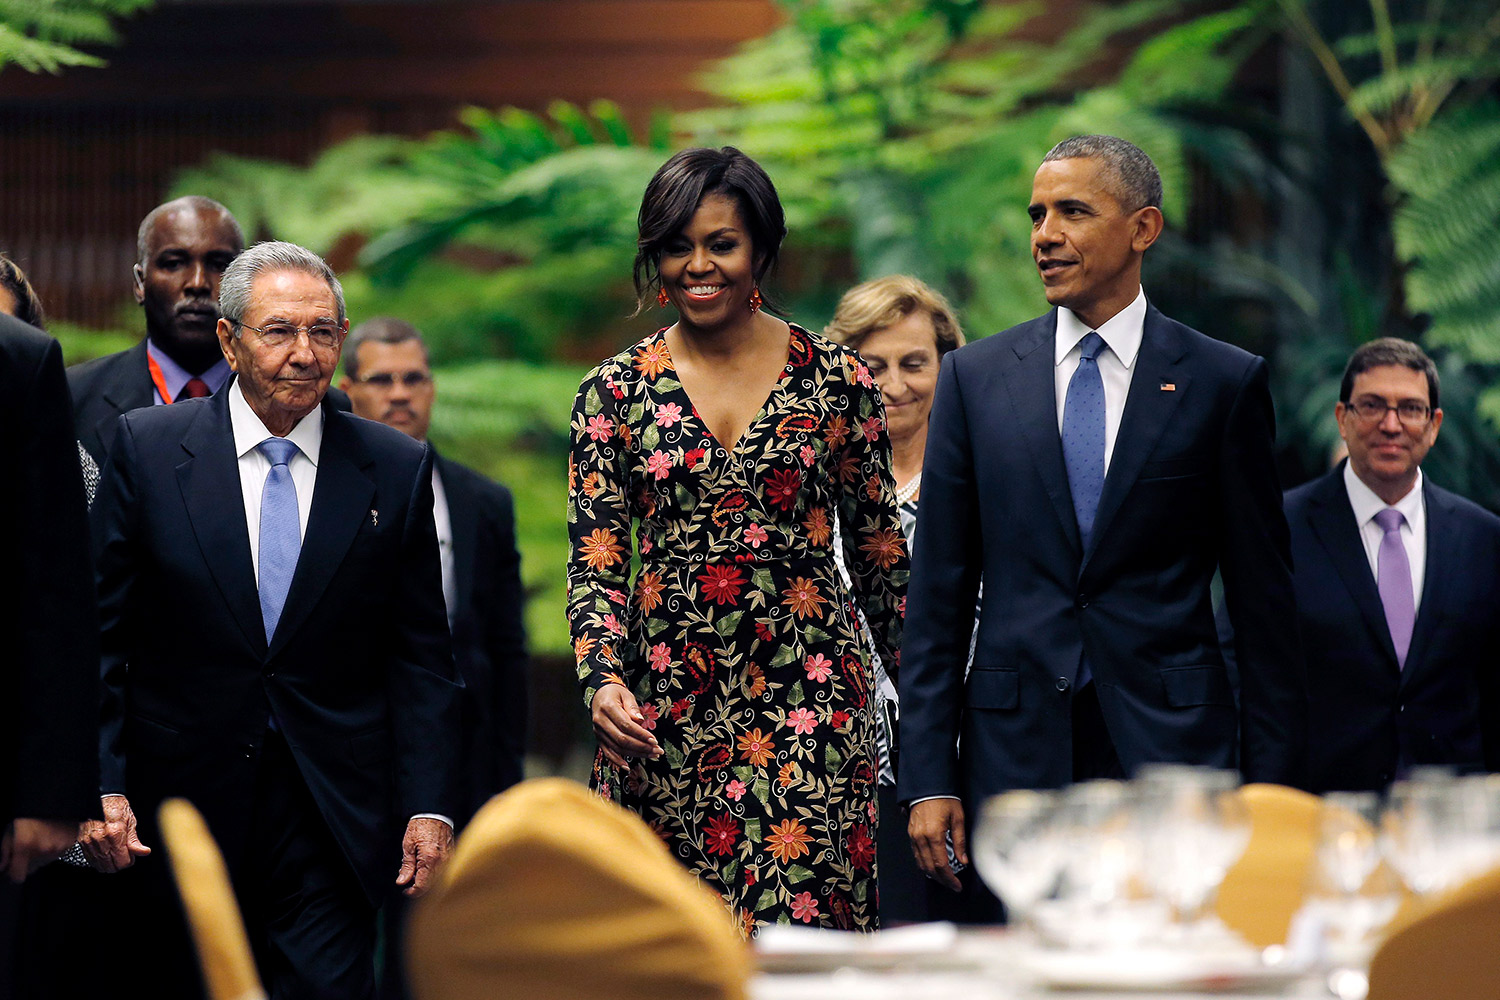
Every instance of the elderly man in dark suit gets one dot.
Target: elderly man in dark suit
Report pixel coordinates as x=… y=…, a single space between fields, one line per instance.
x=49 y=771
x=388 y=378
x=1096 y=466
x=1398 y=584
x=274 y=641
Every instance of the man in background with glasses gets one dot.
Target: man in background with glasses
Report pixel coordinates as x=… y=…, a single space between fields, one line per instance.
x=388 y=378
x=1398 y=590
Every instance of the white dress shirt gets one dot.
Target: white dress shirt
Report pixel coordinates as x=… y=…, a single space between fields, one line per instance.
x=249 y=432
x=444 y=524
x=1122 y=333
x=1413 y=532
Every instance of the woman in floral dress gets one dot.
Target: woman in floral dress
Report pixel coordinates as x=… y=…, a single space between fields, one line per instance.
x=727 y=682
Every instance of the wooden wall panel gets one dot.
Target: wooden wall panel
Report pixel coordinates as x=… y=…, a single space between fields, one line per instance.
x=84 y=155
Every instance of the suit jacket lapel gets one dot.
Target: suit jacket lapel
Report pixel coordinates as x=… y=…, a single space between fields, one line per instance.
x=1332 y=520
x=463 y=521
x=1442 y=556
x=210 y=483
x=1147 y=409
x=340 y=504
x=1033 y=387
x=131 y=392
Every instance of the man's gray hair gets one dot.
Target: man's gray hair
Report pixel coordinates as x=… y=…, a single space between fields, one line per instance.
x=379 y=330
x=196 y=202
x=1138 y=182
x=234 y=288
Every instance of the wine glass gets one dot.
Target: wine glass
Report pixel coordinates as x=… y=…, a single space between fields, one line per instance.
x=1015 y=851
x=1196 y=828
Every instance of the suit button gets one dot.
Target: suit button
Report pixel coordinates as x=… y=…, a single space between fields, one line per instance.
x=1062 y=683
x=1081 y=601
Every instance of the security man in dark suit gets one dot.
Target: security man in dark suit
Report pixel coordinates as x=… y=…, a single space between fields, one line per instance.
x=388 y=378
x=182 y=249
x=274 y=644
x=1096 y=466
x=1398 y=587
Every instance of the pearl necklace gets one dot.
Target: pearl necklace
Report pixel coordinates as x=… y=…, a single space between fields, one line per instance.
x=905 y=493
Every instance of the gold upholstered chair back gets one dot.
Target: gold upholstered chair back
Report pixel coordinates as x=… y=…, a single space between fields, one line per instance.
x=554 y=894
x=208 y=901
x=1269 y=882
x=1444 y=947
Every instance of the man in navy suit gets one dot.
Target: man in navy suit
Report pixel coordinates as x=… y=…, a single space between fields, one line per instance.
x=274 y=644
x=1398 y=587
x=1095 y=466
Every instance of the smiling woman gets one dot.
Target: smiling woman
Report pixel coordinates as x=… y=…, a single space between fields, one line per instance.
x=732 y=698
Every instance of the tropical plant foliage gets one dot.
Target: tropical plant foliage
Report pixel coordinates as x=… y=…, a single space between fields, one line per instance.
x=43 y=36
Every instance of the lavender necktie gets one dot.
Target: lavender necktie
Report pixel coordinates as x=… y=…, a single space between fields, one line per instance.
x=1394 y=578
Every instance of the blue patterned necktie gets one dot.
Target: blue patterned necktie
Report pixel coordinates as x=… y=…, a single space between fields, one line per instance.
x=1083 y=435
x=280 y=533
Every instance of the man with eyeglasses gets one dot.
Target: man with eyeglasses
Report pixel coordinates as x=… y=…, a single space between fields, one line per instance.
x=388 y=378
x=1398 y=590
x=275 y=648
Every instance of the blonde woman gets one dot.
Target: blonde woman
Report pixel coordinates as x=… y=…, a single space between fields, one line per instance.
x=902 y=328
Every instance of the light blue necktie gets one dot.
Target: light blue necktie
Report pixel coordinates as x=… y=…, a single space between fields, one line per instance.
x=1083 y=447
x=1083 y=435
x=280 y=534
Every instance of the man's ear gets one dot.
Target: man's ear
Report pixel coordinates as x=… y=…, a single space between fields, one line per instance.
x=225 y=332
x=1148 y=226
x=138 y=283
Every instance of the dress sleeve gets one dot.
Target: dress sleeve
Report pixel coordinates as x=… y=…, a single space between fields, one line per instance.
x=599 y=530
x=874 y=547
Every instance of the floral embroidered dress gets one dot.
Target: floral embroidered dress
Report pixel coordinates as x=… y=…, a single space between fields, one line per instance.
x=738 y=636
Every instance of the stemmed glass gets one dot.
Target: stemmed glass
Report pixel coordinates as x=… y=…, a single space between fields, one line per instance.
x=1196 y=826
x=1352 y=891
x=1016 y=850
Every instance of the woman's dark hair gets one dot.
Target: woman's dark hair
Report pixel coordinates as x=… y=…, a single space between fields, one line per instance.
x=13 y=280
x=674 y=195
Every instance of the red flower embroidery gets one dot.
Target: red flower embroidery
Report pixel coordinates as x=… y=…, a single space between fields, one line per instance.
x=720 y=584
x=782 y=486
x=720 y=834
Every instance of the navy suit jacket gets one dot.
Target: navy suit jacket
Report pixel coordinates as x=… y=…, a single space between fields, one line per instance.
x=359 y=673
x=489 y=639
x=1370 y=716
x=1191 y=489
x=103 y=388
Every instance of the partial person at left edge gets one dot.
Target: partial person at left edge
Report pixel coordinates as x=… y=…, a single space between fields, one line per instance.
x=274 y=648
x=182 y=249
x=49 y=768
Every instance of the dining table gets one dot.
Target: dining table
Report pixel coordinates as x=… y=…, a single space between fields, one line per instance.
x=944 y=962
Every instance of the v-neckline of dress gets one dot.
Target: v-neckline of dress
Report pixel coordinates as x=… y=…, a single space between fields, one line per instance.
x=758 y=415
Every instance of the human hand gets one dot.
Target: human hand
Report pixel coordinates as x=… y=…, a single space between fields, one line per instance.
x=929 y=824
x=427 y=843
x=30 y=843
x=620 y=727
x=112 y=844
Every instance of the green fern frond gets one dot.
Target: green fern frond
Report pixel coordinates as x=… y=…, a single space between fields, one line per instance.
x=1380 y=94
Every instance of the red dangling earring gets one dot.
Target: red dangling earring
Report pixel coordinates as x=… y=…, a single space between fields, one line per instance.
x=663 y=299
x=755 y=299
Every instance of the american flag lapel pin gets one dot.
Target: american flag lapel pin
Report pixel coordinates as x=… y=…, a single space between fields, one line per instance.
x=374 y=517
x=1169 y=387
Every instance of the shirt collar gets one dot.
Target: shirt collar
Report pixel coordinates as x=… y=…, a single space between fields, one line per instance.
x=1366 y=504
x=1122 y=331
x=249 y=431
x=177 y=376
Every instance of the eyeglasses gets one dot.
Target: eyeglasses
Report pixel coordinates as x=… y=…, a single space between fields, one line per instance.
x=384 y=380
x=1411 y=413
x=283 y=334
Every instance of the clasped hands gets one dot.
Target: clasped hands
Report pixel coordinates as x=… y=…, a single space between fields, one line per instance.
x=113 y=844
